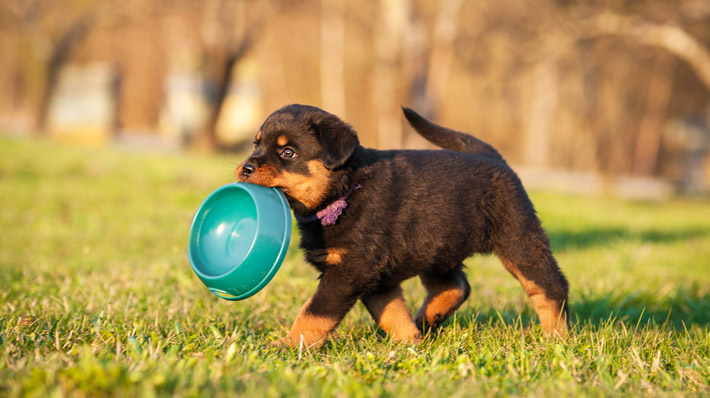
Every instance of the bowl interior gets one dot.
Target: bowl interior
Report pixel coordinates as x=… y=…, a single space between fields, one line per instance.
x=223 y=232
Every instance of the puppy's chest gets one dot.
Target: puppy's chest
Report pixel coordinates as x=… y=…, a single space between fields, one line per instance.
x=325 y=258
x=326 y=249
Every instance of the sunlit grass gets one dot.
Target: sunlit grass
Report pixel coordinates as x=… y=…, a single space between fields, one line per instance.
x=97 y=298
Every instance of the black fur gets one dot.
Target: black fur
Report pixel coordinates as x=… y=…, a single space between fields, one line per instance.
x=419 y=212
x=338 y=140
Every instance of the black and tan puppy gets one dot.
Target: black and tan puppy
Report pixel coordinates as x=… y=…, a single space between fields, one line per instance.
x=370 y=219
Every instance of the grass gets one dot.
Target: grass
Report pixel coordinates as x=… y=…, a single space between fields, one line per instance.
x=97 y=298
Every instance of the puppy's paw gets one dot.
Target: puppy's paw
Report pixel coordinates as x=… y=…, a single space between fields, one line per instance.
x=559 y=331
x=407 y=336
x=299 y=342
x=413 y=339
x=428 y=325
x=278 y=343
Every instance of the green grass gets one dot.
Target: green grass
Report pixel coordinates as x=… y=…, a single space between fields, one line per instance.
x=97 y=298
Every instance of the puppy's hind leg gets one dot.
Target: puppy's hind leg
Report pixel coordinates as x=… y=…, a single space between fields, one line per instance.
x=542 y=280
x=445 y=293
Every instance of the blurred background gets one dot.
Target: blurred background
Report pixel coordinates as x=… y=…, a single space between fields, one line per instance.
x=584 y=96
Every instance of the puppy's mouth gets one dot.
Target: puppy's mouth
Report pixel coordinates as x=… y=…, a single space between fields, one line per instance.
x=308 y=189
x=265 y=176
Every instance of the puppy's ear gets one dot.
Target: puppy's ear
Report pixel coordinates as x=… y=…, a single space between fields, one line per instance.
x=338 y=140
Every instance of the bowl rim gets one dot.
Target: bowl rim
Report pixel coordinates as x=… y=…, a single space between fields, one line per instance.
x=244 y=187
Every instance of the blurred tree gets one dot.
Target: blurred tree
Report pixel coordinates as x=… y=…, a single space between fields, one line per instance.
x=225 y=39
x=441 y=52
x=332 y=56
x=582 y=77
x=672 y=39
x=428 y=59
x=52 y=41
x=390 y=34
x=229 y=31
x=648 y=139
x=588 y=85
x=52 y=31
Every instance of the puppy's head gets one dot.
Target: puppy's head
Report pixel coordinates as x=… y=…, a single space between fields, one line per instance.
x=298 y=150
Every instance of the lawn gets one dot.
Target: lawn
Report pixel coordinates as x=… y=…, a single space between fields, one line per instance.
x=97 y=298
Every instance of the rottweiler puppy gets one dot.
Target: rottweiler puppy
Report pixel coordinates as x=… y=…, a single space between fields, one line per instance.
x=370 y=219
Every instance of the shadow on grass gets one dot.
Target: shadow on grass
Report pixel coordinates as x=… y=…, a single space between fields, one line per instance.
x=676 y=310
x=603 y=236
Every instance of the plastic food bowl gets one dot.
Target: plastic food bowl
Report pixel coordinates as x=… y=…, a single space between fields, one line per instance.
x=238 y=239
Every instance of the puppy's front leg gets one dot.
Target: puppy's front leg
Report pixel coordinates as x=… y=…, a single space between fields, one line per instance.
x=389 y=310
x=323 y=312
x=312 y=328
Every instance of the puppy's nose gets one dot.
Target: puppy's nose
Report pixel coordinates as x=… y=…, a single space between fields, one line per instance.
x=247 y=169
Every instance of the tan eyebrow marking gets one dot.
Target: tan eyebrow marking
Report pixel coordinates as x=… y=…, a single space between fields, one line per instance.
x=282 y=140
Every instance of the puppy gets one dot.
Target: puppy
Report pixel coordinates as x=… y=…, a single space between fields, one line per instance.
x=370 y=219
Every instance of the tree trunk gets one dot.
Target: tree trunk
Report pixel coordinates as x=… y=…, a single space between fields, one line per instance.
x=222 y=80
x=543 y=106
x=442 y=51
x=389 y=34
x=332 y=56
x=648 y=140
x=61 y=53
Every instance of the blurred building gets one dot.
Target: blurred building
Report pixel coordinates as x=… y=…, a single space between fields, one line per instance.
x=82 y=110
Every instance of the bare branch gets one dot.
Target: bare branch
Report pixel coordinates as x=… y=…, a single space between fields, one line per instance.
x=671 y=38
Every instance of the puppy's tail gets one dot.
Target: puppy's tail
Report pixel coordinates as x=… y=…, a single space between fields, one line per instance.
x=447 y=138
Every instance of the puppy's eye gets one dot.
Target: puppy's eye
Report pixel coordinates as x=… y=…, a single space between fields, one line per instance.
x=288 y=153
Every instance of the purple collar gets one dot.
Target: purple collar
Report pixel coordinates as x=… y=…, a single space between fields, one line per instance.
x=329 y=215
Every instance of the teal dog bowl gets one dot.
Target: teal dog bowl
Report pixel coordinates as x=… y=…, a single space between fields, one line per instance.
x=238 y=239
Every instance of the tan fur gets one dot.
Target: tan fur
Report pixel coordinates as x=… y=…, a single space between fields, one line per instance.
x=264 y=175
x=307 y=189
x=282 y=140
x=311 y=329
x=335 y=256
x=441 y=302
x=549 y=311
x=390 y=312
